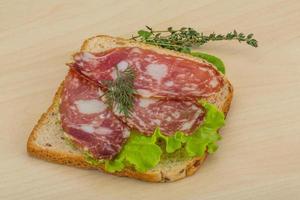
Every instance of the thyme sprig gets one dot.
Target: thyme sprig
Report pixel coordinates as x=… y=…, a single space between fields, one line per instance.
x=120 y=92
x=184 y=39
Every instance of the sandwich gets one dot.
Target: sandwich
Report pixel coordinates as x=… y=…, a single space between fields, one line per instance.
x=133 y=109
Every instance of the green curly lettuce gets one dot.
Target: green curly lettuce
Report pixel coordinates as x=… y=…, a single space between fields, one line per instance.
x=205 y=137
x=140 y=151
x=144 y=152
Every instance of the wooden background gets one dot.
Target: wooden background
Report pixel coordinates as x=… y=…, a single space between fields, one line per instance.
x=259 y=156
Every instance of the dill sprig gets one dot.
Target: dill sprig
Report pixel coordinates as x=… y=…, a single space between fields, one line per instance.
x=184 y=38
x=120 y=92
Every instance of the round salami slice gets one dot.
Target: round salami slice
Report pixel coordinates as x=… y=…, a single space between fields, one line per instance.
x=157 y=75
x=169 y=115
x=88 y=121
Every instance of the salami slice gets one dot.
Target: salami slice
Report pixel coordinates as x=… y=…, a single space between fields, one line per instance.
x=169 y=115
x=157 y=75
x=88 y=121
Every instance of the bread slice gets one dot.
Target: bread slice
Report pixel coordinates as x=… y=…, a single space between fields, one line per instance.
x=47 y=140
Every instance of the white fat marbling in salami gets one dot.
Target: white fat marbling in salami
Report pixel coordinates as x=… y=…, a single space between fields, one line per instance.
x=169 y=115
x=157 y=75
x=88 y=121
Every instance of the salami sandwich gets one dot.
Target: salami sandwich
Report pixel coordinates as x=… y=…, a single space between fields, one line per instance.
x=136 y=110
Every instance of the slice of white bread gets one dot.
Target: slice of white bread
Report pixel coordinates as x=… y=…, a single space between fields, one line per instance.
x=47 y=141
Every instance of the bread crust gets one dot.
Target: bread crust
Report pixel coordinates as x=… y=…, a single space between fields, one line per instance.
x=77 y=160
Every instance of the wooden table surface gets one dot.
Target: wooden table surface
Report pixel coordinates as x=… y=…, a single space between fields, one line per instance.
x=259 y=156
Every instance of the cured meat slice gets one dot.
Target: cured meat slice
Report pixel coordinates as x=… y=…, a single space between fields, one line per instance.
x=157 y=75
x=169 y=115
x=88 y=121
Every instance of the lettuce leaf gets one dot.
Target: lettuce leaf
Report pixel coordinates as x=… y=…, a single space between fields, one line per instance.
x=173 y=142
x=205 y=137
x=211 y=59
x=140 y=151
x=144 y=152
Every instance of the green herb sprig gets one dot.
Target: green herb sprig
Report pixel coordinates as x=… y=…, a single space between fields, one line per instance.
x=120 y=92
x=184 y=38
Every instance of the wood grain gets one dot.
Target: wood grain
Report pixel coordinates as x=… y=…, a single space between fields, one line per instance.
x=259 y=154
